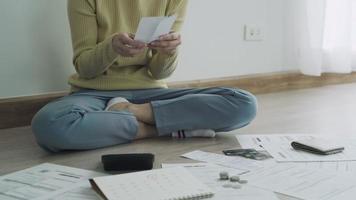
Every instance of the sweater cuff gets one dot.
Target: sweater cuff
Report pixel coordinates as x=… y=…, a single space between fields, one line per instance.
x=164 y=56
x=162 y=65
x=166 y=60
x=110 y=53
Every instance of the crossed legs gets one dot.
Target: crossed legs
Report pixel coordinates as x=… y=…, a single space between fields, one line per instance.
x=79 y=121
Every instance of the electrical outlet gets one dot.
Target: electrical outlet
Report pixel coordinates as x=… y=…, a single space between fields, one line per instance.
x=253 y=33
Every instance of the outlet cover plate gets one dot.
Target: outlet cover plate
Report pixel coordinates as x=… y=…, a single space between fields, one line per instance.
x=253 y=33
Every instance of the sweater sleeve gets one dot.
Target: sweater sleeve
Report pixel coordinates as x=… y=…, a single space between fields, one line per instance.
x=90 y=59
x=161 y=66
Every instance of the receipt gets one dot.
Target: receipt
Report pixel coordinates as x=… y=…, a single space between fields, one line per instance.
x=150 y=28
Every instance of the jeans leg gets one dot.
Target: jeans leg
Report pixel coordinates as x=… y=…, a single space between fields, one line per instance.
x=220 y=109
x=79 y=123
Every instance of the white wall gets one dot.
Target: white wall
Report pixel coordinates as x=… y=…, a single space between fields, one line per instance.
x=35 y=48
x=35 y=51
x=213 y=39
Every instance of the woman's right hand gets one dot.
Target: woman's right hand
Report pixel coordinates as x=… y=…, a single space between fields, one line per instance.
x=125 y=45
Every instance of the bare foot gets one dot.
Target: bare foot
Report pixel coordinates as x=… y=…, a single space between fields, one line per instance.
x=145 y=131
x=143 y=112
x=123 y=106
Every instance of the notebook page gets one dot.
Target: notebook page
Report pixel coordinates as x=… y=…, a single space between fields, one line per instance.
x=160 y=184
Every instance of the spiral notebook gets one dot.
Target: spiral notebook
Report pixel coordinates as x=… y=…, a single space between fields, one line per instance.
x=160 y=184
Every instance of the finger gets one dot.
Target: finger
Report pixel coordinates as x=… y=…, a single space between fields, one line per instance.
x=123 y=51
x=128 y=51
x=167 y=51
x=163 y=44
x=166 y=44
x=169 y=36
x=131 y=35
x=127 y=40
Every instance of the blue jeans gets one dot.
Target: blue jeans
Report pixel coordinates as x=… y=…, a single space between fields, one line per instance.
x=79 y=122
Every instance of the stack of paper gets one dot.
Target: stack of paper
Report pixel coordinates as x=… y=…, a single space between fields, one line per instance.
x=292 y=173
x=48 y=181
x=279 y=146
x=290 y=179
x=209 y=173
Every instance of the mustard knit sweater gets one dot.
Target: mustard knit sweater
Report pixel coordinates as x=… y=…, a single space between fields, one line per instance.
x=94 y=23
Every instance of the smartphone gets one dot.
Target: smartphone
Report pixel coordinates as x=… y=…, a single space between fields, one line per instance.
x=318 y=146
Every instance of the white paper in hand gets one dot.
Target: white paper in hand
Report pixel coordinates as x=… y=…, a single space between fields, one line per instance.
x=150 y=28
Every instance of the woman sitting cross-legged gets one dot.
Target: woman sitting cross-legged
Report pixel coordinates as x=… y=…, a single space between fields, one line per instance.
x=118 y=94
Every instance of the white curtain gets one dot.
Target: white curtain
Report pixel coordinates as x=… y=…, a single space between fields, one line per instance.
x=321 y=36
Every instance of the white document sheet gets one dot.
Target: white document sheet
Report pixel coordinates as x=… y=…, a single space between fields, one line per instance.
x=242 y=164
x=279 y=146
x=150 y=28
x=250 y=142
x=291 y=180
x=255 y=142
x=80 y=192
x=209 y=174
x=44 y=181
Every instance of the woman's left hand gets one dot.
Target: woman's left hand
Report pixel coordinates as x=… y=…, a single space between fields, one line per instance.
x=167 y=44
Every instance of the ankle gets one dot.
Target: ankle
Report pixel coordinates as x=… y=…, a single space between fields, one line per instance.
x=145 y=131
x=143 y=112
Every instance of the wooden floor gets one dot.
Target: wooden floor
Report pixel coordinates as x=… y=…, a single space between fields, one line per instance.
x=325 y=110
